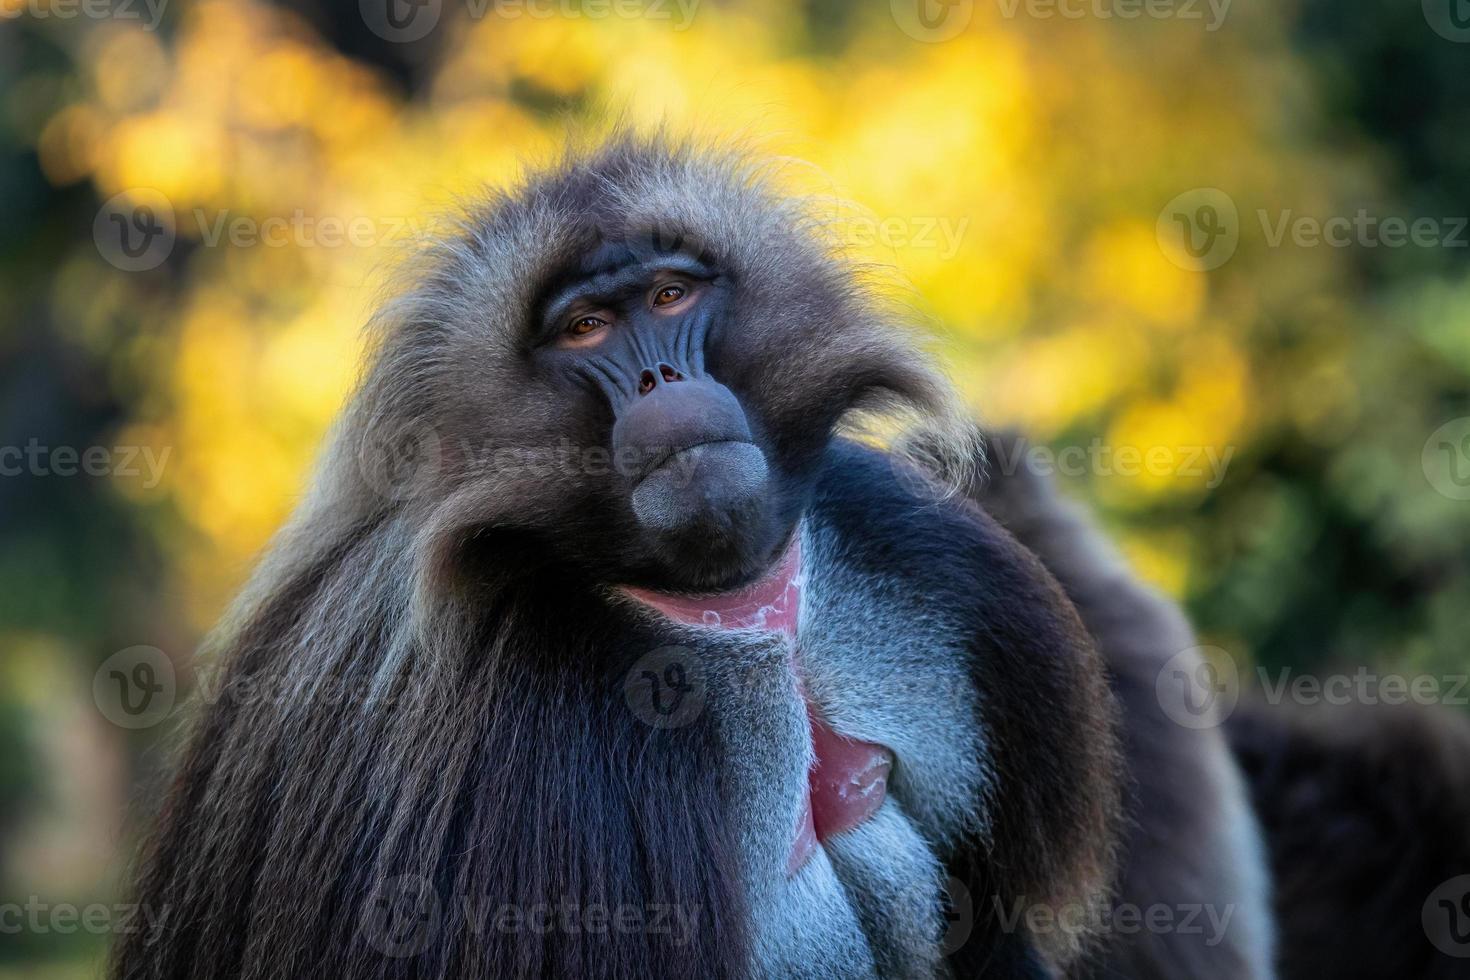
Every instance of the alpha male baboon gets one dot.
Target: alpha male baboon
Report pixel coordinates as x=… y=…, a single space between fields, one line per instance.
x=637 y=664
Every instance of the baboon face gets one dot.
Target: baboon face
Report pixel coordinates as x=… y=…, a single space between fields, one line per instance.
x=675 y=339
x=639 y=329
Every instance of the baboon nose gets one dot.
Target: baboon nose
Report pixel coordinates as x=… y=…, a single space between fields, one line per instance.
x=652 y=378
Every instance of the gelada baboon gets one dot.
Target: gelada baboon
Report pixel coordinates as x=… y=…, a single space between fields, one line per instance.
x=608 y=643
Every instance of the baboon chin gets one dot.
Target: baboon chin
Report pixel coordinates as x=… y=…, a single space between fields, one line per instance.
x=656 y=672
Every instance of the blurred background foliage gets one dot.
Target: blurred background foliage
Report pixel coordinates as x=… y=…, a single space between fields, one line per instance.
x=1012 y=176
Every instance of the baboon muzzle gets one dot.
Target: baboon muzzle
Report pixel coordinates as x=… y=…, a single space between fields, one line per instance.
x=686 y=447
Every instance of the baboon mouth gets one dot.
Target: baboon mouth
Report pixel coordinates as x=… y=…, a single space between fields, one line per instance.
x=673 y=455
x=848 y=779
x=771 y=602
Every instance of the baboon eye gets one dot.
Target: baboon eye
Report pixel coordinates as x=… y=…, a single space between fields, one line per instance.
x=584 y=325
x=671 y=293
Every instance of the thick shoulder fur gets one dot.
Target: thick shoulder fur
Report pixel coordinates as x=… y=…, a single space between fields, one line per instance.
x=1191 y=848
x=1337 y=838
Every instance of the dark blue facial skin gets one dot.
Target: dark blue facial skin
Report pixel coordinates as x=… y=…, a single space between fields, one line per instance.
x=635 y=325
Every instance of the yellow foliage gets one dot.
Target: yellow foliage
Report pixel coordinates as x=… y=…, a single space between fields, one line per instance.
x=1012 y=176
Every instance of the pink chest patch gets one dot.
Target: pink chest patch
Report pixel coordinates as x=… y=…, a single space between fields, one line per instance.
x=848 y=779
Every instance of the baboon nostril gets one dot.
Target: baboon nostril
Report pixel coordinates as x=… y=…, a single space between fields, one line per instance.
x=648 y=380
